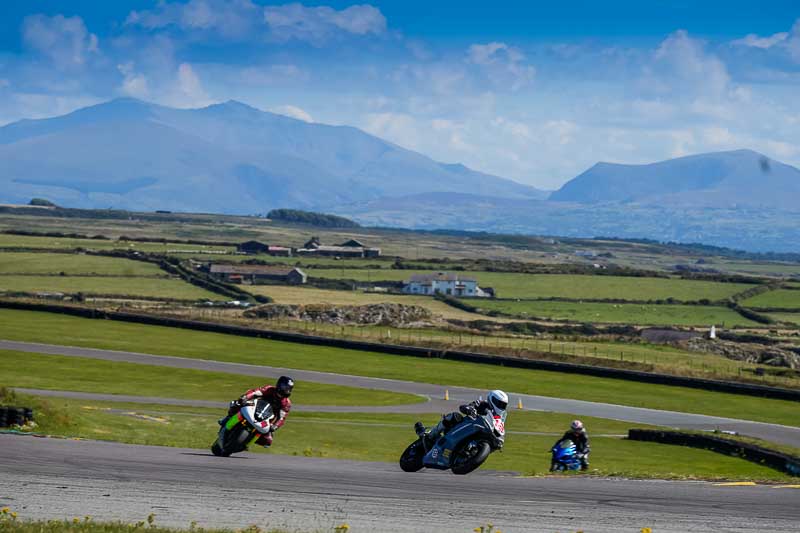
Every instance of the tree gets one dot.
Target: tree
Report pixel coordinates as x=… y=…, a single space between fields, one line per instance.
x=41 y=202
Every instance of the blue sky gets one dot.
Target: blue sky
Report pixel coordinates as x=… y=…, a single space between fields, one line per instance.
x=537 y=92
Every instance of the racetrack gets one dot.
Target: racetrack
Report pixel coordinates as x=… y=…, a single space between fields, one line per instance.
x=56 y=478
x=771 y=432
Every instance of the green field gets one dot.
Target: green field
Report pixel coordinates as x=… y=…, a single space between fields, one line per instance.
x=70 y=264
x=759 y=268
x=780 y=298
x=26 y=241
x=512 y=285
x=331 y=435
x=107 y=285
x=53 y=328
x=792 y=318
x=54 y=372
x=644 y=314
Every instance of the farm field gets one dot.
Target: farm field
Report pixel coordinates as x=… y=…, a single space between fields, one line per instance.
x=26 y=241
x=759 y=268
x=310 y=295
x=641 y=314
x=330 y=435
x=513 y=285
x=54 y=372
x=793 y=318
x=107 y=285
x=71 y=264
x=52 y=328
x=780 y=298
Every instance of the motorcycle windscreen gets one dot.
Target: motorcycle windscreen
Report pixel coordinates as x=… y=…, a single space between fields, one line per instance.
x=565 y=449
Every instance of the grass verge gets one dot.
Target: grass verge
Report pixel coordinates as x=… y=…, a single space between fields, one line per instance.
x=54 y=372
x=11 y=523
x=34 y=326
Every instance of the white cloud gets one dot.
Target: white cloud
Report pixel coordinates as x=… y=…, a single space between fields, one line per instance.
x=65 y=40
x=400 y=128
x=751 y=39
x=513 y=128
x=783 y=42
x=685 y=66
x=189 y=86
x=718 y=136
x=683 y=143
x=293 y=112
x=504 y=64
x=318 y=24
x=232 y=19
x=134 y=84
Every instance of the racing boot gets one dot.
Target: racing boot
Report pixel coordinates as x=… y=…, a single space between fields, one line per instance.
x=433 y=434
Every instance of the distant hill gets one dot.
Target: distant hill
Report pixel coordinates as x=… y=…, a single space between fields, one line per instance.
x=740 y=178
x=229 y=158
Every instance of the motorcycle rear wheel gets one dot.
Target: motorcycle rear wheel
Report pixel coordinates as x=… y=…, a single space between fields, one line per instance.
x=470 y=463
x=411 y=460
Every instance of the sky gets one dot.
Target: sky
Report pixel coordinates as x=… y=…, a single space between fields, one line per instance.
x=533 y=91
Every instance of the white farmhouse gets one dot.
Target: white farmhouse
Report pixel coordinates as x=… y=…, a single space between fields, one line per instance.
x=444 y=283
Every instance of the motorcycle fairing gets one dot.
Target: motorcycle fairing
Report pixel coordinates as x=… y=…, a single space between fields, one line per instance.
x=440 y=455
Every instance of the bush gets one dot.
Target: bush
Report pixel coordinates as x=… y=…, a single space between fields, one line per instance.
x=41 y=202
x=309 y=217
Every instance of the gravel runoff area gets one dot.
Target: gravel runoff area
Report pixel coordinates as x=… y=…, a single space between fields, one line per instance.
x=57 y=478
x=771 y=432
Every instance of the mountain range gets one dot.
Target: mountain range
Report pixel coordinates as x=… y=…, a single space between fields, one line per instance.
x=229 y=158
x=233 y=158
x=740 y=178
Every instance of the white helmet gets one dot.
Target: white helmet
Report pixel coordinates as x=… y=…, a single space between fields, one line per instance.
x=576 y=425
x=498 y=400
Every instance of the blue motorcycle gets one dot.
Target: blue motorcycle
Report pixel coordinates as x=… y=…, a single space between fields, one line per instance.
x=462 y=449
x=565 y=457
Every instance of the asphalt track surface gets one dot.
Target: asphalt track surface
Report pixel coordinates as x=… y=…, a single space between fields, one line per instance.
x=771 y=432
x=56 y=478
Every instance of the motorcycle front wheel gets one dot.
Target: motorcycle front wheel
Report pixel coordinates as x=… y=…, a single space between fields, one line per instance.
x=235 y=440
x=468 y=457
x=216 y=450
x=411 y=460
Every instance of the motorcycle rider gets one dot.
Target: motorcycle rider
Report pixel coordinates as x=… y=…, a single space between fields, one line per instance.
x=496 y=402
x=577 y=434
x=277 y=395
